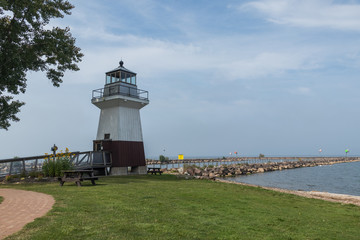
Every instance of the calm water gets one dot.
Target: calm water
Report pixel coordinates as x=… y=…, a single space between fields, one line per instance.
x=343 y=178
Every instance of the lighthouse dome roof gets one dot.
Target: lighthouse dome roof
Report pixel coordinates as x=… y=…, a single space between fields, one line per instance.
x=121 y=68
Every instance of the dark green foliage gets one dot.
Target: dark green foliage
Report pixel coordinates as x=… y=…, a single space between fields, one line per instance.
x=34 y=174
x=27 y=45
x=23 y=174
x=163 y=159
x=261 y=155
x=53 y=168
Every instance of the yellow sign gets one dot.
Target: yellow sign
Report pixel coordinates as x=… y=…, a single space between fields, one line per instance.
x=181 y=156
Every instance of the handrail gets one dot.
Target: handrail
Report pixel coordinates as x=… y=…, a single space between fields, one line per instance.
x=17 y=159
x=78 y=159
x=120 y=90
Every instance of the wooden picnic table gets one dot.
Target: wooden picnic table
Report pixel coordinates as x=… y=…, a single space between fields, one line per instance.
x=154 y=170
x=77 y=176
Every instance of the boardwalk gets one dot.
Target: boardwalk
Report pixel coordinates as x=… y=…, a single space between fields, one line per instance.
x=20 y=207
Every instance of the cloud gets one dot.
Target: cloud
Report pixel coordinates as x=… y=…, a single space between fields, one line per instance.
x=309 y=13
x=301 y=91
x=237 y=59
x=227 y=58
x=265 y=64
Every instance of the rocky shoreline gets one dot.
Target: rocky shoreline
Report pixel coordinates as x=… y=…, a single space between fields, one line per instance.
x=232 y=170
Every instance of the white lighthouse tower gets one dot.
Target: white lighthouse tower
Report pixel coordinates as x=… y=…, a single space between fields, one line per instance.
x=119 y=130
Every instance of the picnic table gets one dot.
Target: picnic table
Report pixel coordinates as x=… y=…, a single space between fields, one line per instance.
x=77 y=176
x=154 y=170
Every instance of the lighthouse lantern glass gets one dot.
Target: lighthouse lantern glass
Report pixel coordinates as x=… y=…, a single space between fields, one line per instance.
x=117 y=76
x=120 y=76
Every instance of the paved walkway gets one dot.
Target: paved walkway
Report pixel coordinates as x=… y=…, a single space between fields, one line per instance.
x=20 y=207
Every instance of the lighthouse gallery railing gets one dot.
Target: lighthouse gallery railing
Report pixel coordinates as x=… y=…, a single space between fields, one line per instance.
x=120 y=90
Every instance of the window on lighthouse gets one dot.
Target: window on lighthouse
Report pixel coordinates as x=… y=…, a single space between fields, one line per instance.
x=128 y=78
x=120 y=76
x=113 y=77
x=133 y=80
x=123 y=77
x=117 y=77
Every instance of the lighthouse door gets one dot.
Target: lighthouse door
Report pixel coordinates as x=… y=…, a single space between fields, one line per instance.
x=98 y=146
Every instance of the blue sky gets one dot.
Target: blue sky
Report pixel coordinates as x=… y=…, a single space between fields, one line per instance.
x=269 y=76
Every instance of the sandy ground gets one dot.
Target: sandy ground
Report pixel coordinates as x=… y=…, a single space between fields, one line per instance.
x=332 y=197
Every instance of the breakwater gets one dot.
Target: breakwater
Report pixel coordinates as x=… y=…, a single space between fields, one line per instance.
x=236 y=169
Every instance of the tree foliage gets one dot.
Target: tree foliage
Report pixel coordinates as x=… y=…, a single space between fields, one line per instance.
x=28 y=44
x=163 y=159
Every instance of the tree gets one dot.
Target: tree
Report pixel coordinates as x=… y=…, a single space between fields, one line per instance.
x=163 y=159
x=27 y=44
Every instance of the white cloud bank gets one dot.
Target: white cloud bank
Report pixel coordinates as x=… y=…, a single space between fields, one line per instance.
x=235 y=60
x=309 y=13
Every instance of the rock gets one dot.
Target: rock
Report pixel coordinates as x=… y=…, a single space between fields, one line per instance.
x=212 y=175
x=197 y=172
x=181 y=170
x=190 y=171
x=260 y=170
x=205 y=174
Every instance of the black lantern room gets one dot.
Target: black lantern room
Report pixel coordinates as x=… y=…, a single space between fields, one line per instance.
x=121 y=74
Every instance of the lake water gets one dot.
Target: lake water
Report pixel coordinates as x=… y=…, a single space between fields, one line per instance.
x=343 y=178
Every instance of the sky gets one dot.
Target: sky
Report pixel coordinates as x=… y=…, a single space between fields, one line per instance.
x=275 y=77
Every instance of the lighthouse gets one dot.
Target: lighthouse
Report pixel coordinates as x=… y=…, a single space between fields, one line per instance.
x=119 y=130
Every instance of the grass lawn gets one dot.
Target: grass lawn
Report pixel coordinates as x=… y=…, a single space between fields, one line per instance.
x=164 y=207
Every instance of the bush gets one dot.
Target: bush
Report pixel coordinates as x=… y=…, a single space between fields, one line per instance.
x=53 y=168
x=34 y=174
x=23 y=174
x=163 y=159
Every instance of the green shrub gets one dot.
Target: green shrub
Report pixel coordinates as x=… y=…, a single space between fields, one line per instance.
x=23 y=174
x=163 y=159
x=34 y=174
x=53 y=168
